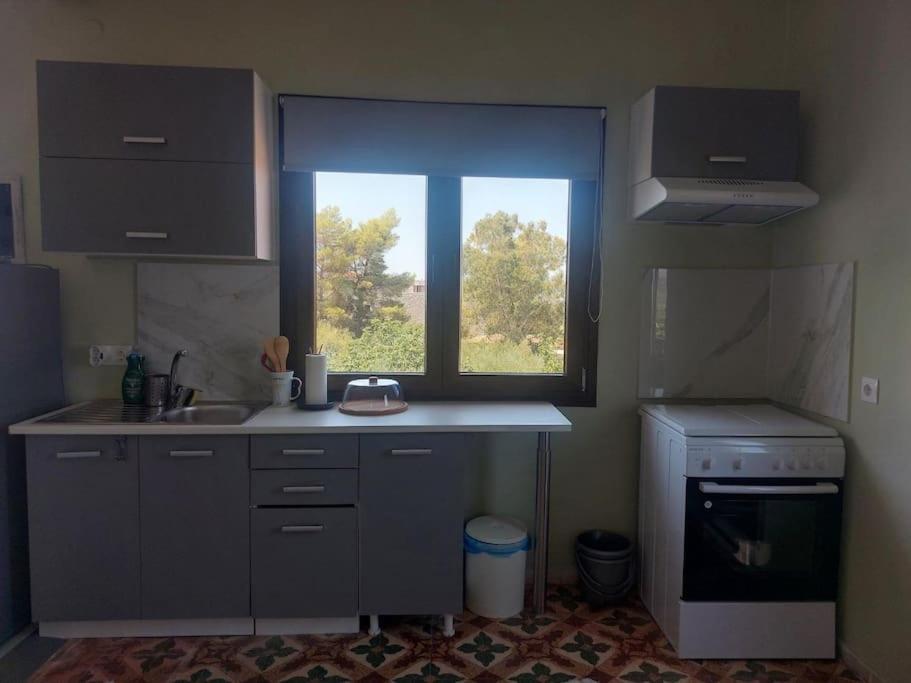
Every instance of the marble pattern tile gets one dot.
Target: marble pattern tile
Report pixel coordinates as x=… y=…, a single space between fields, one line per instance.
x=704 y=333
x=810 y=337
x=219 y=313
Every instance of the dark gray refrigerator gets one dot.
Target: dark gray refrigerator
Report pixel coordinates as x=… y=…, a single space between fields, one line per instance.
x=31 y=383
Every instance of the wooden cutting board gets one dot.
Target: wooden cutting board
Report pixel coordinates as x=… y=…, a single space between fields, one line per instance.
x=372 y=407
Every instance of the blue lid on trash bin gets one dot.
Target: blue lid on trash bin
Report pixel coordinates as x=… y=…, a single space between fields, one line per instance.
x=495 y=535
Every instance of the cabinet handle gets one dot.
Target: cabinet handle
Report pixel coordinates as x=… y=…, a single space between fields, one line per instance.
x=411 y=451
x=140 y=235
x=313 y=488
x=303 y=451
x=192 y=454
x=727 y=159
x=73 y=455
x=143 y=140
x=301 y=528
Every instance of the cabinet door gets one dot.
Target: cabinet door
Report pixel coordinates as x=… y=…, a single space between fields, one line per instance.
x=725 y=133
x=137 y=207
x=194 y=506
x=304 y=562
x=83 y=515
x=125 y=111
x=411 y=518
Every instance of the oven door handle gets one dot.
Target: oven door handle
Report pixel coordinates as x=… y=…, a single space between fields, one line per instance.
x=761 y=490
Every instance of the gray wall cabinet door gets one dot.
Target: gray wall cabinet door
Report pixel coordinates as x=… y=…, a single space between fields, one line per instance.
x=410 y=524
x=124 y=206
x=83 y=507
x=725 y=133
x=195 y=527
x=120 y=111
x=304 y=562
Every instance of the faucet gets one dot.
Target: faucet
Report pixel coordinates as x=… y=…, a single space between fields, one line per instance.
x=175 y=391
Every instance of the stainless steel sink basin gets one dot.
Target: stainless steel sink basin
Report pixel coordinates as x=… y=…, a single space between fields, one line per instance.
x=211 y=414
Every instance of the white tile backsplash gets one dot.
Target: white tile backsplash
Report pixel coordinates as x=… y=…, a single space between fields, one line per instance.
x=783 y=334
x=219 y=313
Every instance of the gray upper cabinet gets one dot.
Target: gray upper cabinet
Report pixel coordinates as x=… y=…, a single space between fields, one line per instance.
x=686 y=132
x=156 y=160
x=83 y=515
x=410 y=523
x=195 y=527
x=120 y=111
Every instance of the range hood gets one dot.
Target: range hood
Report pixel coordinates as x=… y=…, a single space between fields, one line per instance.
x=718 y=201
x=715 y=156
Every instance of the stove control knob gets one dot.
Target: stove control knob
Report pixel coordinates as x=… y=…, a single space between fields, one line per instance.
x=821 y=463
x=777 y=464
x=706 y=463
x=738 y=464
x=805 y=464
x=792 y=464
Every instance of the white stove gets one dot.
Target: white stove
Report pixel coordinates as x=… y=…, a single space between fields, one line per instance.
x=739 y=527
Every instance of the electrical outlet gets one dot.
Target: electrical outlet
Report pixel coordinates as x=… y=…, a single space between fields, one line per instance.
x=869 y=389
x=106 y=354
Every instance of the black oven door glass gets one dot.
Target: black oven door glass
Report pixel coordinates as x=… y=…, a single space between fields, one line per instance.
x=754 y=540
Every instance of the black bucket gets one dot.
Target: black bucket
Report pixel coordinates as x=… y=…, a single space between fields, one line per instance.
x=605 y=564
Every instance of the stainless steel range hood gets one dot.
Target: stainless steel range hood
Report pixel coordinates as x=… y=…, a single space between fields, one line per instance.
x=718 y=201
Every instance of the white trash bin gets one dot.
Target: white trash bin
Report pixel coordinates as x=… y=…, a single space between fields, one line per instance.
x=495 y=552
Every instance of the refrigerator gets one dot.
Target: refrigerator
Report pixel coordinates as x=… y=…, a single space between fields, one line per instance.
x=31 y=383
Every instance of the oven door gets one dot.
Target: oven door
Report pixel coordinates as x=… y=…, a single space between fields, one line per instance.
x=761 y=539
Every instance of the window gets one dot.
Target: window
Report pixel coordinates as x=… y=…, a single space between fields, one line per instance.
x=513 y=276
x=371 y=255
x=409 y=250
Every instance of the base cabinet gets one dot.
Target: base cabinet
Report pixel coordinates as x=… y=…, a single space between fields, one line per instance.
x=411 y=514
x=195 y=530
x=83 y=515
x=304 y=562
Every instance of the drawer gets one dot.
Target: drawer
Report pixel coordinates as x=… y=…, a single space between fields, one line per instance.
x=304 y=562
x=136 y=207
x=291 y=452
x=120 y=111
x=304 y=487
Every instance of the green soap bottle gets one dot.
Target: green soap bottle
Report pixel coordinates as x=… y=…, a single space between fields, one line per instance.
x=133 y=379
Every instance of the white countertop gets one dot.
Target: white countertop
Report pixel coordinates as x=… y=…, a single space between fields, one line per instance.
x=474 y=416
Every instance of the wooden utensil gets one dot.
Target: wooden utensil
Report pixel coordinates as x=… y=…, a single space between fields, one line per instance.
x=282 y=346
x=269 y=348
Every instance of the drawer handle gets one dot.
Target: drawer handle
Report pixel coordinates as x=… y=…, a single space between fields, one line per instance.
x=192 y=454
x=301 y=528
x=412 y=451
x=314 y=488
x=139 y=235
x=74 y=455
x=303 y=451
x=143 y=140
x=727 y=159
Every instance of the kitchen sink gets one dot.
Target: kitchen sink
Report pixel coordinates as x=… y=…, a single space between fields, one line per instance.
x=211 y=414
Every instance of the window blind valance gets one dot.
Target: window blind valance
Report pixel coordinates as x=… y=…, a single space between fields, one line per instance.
x=387 y=136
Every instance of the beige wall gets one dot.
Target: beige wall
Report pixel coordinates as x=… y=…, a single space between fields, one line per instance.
x=582 y=53
x=852 y=63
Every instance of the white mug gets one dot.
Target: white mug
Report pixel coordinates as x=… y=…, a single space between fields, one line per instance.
x=281 y=388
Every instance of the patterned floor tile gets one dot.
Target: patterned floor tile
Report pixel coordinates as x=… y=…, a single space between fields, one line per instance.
x=570 y=642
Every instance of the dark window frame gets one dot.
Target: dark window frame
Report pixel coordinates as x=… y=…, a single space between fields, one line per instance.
x=442 y=379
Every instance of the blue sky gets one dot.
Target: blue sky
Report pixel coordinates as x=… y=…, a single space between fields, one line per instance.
x=361 y=196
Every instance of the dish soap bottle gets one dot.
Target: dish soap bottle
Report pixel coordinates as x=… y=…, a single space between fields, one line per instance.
x=133 y=379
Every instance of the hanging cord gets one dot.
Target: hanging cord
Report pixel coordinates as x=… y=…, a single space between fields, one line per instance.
x=597 y=258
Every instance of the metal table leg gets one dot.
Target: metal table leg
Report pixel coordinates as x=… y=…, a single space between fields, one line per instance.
x=542 y=522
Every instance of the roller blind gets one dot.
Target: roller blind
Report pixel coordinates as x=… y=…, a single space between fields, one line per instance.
x=385 y=136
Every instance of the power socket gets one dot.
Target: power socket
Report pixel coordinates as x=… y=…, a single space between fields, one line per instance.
x=101 y=354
